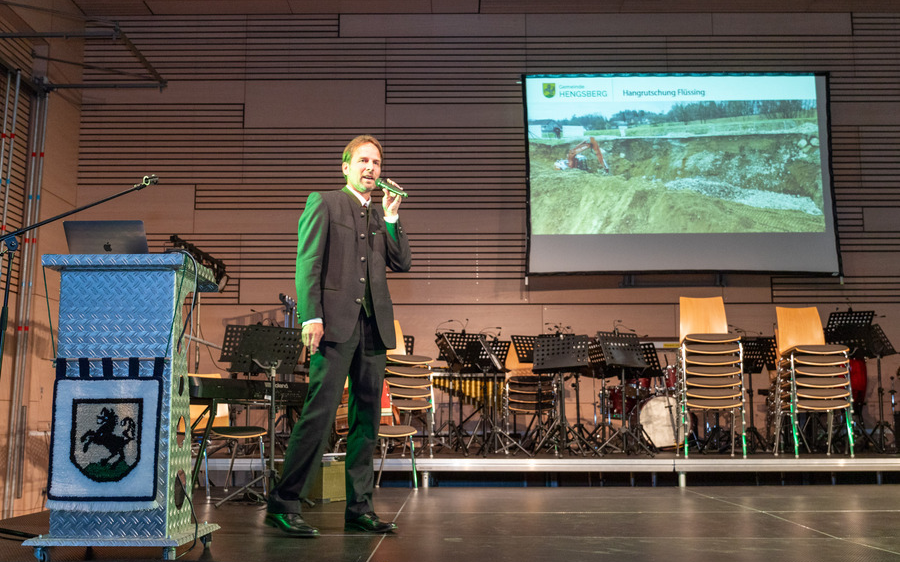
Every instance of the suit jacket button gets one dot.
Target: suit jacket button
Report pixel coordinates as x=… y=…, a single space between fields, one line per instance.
x=362 y=234
x=362 y=279
x=358 y=301
x=362 y=258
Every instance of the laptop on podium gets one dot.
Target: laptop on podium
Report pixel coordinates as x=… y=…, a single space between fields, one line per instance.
x=106 y=237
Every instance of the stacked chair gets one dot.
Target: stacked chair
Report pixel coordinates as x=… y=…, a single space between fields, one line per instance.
x=528 y=395
x=812 y=377
x=409 y=379
x=710 y=368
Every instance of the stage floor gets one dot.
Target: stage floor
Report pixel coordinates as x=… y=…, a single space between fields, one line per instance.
x=554 y=524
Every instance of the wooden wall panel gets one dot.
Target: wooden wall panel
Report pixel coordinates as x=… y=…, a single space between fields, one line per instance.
x=258 y=108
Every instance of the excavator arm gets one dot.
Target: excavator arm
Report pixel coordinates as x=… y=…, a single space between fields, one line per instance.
x=581 y=147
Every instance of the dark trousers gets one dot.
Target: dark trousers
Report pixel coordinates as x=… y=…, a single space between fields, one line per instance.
x=363 y=359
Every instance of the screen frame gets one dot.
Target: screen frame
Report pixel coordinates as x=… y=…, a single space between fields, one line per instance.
x=827 y=176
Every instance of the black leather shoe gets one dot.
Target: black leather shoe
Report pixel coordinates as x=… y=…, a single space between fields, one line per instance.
x=369 y=523
x=292 y=524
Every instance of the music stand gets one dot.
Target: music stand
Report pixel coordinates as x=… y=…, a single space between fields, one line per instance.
x=560 y=354
x=854 y=329
x=450 y=348
x=757 y=353
x=524 y=348
x=878 y=343
x=599 y=370
x=597 y=367
x=490 y=358
x=273 y=349
x=849 y=328
x=625 y=353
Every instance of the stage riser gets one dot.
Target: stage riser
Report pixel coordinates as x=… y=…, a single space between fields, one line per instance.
x=725 y=464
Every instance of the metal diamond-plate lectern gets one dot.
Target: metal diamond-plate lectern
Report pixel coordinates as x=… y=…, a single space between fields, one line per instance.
x=119 y=471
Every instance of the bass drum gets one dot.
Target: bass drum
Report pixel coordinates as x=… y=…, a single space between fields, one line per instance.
x=657 y=417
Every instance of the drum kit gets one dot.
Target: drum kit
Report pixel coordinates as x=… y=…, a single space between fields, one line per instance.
x=648 y=406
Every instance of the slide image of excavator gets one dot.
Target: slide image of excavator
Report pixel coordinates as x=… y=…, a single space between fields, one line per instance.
x=576 y=159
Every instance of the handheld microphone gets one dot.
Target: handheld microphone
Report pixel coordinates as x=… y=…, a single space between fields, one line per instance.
x=381 y=184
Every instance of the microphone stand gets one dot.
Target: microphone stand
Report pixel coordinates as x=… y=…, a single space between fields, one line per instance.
x=11 y=242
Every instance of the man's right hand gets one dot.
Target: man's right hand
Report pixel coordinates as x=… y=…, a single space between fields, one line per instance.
x=312 y=335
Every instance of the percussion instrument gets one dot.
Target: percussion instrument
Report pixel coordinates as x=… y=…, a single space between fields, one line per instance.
x=657 y=417
x=671 y=374
x=615 y=401
x=635 y=391
x=468 y=388
x=859 y=380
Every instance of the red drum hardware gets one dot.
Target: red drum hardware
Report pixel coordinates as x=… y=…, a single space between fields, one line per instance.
x=671 y=373
x=859 y=380
x=615 y=402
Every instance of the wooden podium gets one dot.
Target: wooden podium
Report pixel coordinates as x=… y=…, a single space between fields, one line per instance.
x=119 y=472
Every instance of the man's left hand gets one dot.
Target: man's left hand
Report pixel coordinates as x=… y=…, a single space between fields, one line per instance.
x=391 y=202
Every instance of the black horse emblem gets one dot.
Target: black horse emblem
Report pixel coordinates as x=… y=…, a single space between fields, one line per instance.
x=107 y=451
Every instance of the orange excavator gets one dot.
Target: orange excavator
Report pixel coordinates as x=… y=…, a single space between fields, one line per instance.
x=576 y=160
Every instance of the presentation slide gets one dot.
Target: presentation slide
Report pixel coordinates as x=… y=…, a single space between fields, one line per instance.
x=717 y=172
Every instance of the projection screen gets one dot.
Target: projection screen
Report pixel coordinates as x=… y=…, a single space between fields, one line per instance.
x=679 y=173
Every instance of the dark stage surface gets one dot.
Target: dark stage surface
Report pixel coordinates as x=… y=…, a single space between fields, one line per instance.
x=556 y=524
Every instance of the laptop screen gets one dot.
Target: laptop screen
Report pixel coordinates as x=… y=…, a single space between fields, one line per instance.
x=106 y=237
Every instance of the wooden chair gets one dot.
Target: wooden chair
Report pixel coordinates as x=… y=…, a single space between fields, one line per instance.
x=812 y=377
x=710 y=366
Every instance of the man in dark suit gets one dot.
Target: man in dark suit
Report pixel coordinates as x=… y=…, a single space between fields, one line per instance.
x=343 y=304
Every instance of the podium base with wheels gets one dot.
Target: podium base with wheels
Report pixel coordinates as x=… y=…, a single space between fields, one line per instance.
x=203 y=533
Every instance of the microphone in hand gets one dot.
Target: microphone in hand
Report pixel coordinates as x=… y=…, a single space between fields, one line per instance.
x=381 y=184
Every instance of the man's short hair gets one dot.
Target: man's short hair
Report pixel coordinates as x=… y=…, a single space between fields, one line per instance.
x=359 y=141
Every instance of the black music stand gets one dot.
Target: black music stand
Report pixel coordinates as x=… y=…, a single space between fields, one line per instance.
x=878 y=343
x=524 y=348
x=625 y=353
x=534 y=432
x=490 y=358
x=651 y=358
x=450 y=347
x=560 y=354
x=850 y=328
x=758 y=351
x=274 y=350
x=854 y=329
x=596 y=363
x=600 y=370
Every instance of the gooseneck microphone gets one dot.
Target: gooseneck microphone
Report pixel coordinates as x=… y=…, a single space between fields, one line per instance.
x=381 y=184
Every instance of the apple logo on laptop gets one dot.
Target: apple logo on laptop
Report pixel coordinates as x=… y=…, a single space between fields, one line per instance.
x=107 y=247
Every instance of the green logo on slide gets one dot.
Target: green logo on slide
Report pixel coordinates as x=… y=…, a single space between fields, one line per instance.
x=549 y=90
